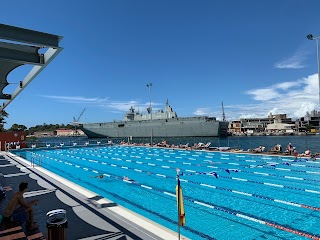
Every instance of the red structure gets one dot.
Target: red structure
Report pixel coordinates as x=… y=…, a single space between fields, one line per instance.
x=12 y=139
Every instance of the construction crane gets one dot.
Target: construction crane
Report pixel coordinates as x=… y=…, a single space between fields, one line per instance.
x=223 y=114
x=77 y=119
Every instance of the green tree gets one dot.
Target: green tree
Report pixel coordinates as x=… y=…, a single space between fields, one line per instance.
x=48 y=127
x=308 y=127
x=17 y=128
x=3 y=115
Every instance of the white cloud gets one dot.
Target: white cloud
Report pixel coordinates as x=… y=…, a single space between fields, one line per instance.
x=263 y=94
x=292 y=62
x=252 y=115
x=75 y=99
x=287 y=85
x=304 y=107
x=112 y=106
x=292 y=98
x=202 y=112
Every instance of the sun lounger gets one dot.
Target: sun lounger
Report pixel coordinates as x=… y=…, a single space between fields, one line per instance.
x=223 y=148
x=219 y=148
x=259 y=149
x=201 y=145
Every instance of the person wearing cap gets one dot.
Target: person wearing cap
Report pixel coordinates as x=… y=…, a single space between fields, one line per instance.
x=18 y=209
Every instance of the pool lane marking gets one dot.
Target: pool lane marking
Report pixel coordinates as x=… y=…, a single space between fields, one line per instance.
x=234 y=191
x=275 y=168
x=259 y=166
x=251 y=181
x=269 y=184
x=251 y=166
x=235 y=213
x=273 y=185
x=247 y=194
x=277 y=163
x=273 y=175
x=264 y=183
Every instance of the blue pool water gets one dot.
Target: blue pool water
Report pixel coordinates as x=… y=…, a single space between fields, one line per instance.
x=262 y=197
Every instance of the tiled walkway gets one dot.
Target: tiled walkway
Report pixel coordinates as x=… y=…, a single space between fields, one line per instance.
x=89 y=216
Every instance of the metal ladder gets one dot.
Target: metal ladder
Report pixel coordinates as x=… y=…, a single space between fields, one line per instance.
x=34 y=158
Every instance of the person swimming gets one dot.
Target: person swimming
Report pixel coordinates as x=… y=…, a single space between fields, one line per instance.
x=99 y=176
x=214 y=174
x=125 y=178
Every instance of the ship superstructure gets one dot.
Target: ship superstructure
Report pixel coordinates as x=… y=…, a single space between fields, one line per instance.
x=163 y=123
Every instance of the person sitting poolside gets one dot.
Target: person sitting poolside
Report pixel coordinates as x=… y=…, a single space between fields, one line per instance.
x=276 y=148
x=307 y=153
x=19 y=210
x=294 y=151
x=289 y=148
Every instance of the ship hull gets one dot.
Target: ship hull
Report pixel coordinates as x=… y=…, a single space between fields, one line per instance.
x=185 y=127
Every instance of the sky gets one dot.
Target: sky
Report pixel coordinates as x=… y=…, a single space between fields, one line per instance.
x=251 y=55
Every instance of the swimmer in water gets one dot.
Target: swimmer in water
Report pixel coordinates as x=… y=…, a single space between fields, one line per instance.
x=125 y=178
x=99 y=176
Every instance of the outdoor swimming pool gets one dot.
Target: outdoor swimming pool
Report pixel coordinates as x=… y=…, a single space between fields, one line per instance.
x=254 y=196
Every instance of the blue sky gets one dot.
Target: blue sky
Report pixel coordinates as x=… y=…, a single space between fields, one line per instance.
x=252 y=55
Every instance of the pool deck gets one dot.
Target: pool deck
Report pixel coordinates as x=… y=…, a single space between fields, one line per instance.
x=89 y=215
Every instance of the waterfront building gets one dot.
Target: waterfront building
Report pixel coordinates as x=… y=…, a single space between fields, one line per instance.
x=311 y=119
x=235 y=126
x=43 y=134
x=63 y=132
x=280 y=128
x=277 y=122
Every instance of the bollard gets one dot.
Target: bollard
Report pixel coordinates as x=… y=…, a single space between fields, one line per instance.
x=57 y=225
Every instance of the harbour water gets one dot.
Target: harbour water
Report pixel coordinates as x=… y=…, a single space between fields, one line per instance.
x=301 y=143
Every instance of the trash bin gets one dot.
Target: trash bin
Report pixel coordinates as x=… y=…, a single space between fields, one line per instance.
x=57 y=225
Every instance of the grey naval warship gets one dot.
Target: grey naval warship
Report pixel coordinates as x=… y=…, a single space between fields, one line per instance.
x=163 y=123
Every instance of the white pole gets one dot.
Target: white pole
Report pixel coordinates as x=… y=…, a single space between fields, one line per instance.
x=318 y=67
x=150 y=107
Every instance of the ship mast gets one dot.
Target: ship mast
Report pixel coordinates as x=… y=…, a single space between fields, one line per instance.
x=223 y=114
x=150 y=108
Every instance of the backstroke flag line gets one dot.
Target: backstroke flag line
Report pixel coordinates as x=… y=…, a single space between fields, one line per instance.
x=182 y=215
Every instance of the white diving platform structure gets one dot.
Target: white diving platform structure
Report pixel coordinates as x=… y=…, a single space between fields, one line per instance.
x=20 y=46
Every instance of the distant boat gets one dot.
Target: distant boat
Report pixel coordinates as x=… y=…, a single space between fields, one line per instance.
x=164 y=123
